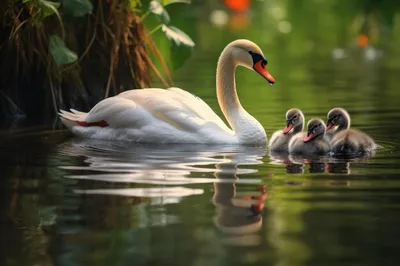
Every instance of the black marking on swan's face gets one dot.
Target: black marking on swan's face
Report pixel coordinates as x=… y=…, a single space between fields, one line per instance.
x=257 y=58
x=260 y=66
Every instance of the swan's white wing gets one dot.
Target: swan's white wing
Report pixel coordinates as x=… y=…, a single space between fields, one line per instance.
x=199 y=106
x=155 y=115
x=117 y=112
x=149 y=107
x=176 y=105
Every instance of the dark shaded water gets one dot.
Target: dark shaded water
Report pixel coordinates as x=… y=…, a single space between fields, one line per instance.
x=68 y=201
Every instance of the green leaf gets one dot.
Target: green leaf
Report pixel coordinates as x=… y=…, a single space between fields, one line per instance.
x=179 y=55
x=156 y=8
x=177 y=36
x=181 y=45
x=48 y=8
x=60 y=52
x=77 y=8
x=133 y=4
x=168 y=2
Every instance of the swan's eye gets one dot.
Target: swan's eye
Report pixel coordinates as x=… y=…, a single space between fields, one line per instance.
x=258 y=59
x=313 y=131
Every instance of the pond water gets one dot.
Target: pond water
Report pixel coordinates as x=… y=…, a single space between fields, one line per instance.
x=70 y=201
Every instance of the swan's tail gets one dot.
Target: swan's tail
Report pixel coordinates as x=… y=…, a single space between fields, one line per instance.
x=71 y=119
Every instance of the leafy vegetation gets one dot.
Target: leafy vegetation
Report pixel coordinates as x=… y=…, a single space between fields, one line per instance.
x=76 y=52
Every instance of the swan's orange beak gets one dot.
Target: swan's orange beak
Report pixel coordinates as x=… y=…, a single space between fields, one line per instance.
x=262 y=70
x=308 y=137
x=287 y=128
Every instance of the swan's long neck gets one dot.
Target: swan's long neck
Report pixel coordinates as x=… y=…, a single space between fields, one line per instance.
x=246 y=127
x=226 y=87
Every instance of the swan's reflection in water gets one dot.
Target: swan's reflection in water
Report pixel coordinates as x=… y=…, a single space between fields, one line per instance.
x=156 y=164
x=238 y=214
x=158 y=175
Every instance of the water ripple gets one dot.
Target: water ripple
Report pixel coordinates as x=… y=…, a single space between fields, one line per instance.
x=144 y=192
x=158 y=165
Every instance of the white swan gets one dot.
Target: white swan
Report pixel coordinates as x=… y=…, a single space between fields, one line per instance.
x=174 y=115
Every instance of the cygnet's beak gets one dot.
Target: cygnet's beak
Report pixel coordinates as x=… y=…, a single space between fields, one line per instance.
x=288 y=127
x=308 y=137
x=329 y=126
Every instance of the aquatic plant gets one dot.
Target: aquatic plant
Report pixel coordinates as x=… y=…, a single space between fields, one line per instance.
x=61 y=53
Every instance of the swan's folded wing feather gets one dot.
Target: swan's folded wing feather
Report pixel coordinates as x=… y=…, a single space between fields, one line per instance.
x=174 y=112
x=176 y=106
x=117 y=112
x=152 y=109
x=201 y=108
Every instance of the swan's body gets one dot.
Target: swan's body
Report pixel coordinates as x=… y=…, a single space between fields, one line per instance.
x=294 y=124
x=174 y=115
x=311 y=142
x=346 y=141
x=152 y=115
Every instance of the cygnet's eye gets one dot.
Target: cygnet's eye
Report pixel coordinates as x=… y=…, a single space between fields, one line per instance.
x=314 y=131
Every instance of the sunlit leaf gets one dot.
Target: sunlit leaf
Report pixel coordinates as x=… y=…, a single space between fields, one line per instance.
x=181 y=45
x=48 y=8
x=133 y=4
x=156 y=8
x=77 y=8
x=60 y=52
x=178 y=36
x=168 y=2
